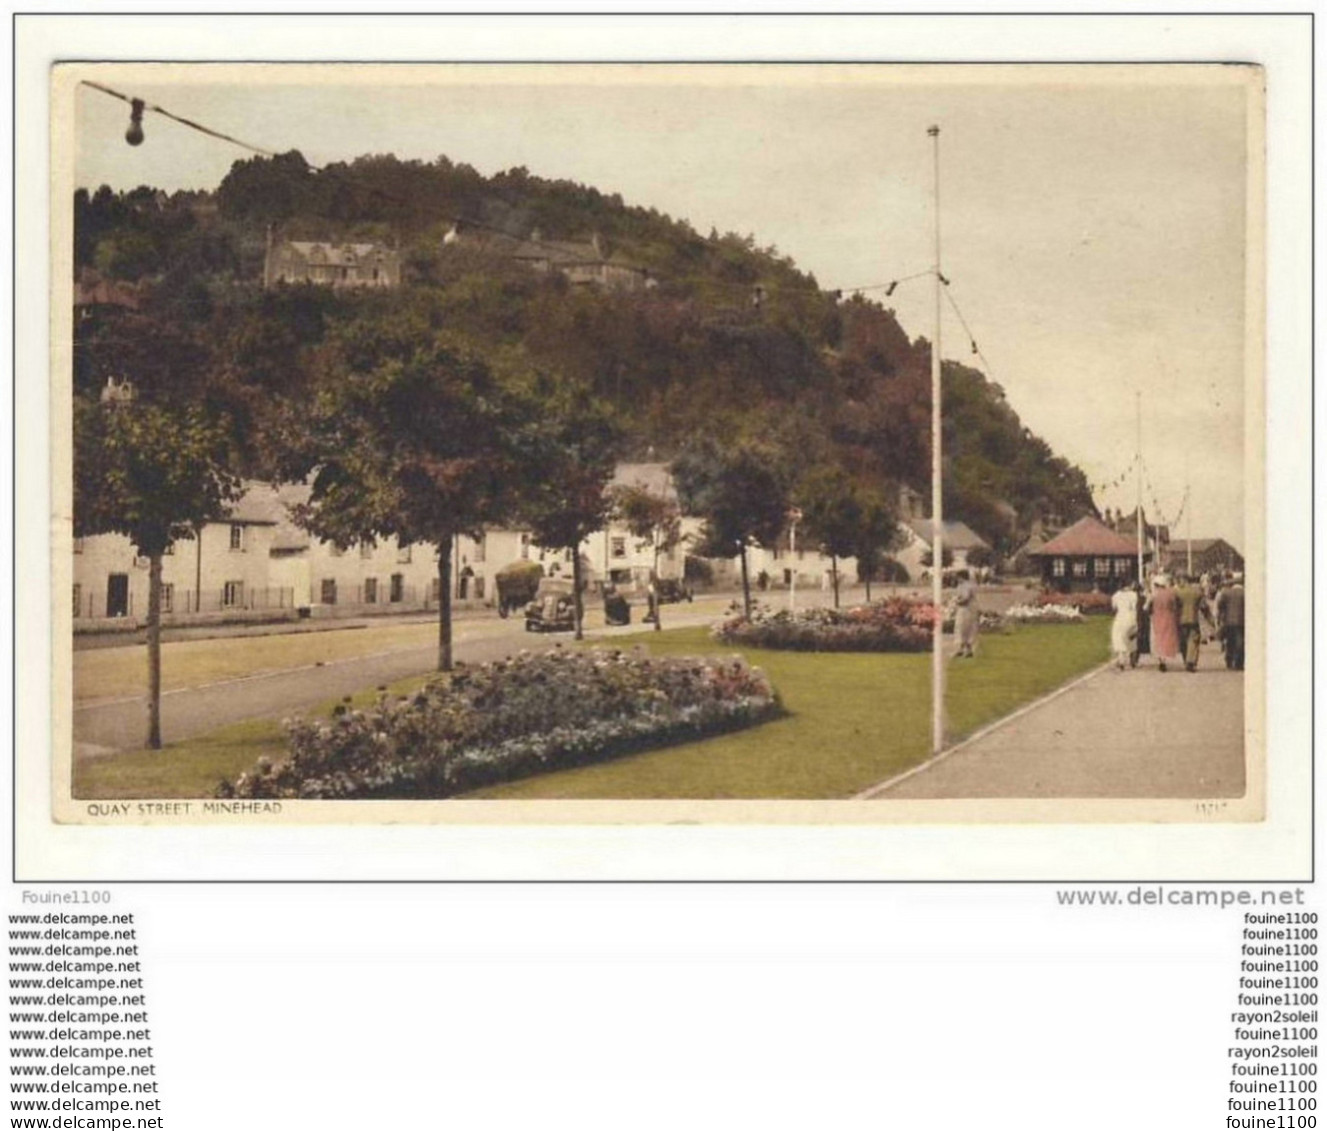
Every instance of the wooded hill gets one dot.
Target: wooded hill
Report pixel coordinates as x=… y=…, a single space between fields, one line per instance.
x=729 y=340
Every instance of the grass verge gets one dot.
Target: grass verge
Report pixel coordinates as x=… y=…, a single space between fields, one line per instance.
x=852 y=720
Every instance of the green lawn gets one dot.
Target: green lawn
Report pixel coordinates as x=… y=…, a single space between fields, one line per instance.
x=852 y=721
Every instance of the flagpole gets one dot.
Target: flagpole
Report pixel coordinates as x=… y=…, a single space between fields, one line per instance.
x=1138 y=459
x=937 y=499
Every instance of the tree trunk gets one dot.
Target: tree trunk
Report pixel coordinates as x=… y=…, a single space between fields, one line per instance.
x=154 y=651
x=746 y=582
x=578 y=609
x=834 y=576
x=445 y=604
x=654 y=584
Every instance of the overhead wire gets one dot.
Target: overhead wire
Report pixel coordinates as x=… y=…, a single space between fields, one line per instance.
x=758 y=291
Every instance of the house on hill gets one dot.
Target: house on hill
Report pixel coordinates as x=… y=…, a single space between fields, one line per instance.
x=331 y=264
x=581 y=262
x=1088 y=555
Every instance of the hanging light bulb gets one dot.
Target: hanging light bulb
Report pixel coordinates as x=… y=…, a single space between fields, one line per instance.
x=134 y=134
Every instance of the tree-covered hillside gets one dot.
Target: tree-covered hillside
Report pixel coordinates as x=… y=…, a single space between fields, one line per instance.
x=728 y=340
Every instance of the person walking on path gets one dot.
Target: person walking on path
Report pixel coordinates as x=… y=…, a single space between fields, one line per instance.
x=1230 y=619
x=1143 y=639
x=1124 y=629
x=1165 y=621
x=966 y=617
x=1191 y=613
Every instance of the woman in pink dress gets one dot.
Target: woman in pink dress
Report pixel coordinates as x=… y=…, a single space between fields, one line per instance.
x=1165 y=621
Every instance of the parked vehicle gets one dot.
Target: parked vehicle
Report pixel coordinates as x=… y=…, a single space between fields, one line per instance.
x=553 y=609
x=617 y=611
x=517 y=584
x=670 y=591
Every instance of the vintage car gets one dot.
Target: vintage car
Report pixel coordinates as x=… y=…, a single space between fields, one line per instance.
x=517 y=584
x=552 y=609
x=671 y=590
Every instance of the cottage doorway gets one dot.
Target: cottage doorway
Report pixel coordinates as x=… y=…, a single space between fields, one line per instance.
x=117 y=595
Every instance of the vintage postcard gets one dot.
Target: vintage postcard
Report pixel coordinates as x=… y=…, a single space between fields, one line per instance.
x=639 y=444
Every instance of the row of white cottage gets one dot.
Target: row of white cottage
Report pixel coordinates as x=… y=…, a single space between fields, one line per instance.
x=258 y=562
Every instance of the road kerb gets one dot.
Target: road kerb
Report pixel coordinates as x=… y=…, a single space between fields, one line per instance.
x=876 y=791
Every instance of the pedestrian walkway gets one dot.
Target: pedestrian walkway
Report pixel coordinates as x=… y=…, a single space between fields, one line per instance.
x=1131 y=734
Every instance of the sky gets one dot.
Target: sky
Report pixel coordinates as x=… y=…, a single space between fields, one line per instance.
x=1093 y=224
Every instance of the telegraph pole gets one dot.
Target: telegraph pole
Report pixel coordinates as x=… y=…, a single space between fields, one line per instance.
x=937 y=500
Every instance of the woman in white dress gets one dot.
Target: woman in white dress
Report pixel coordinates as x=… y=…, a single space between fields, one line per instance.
x=1124 y=629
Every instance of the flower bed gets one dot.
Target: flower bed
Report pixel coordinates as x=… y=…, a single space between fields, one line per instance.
x=1089 y=603
x=504 y=720
x=897 y=624
x=1043 y=614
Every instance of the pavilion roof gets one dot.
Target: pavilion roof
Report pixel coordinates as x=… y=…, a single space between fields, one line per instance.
x=1087 y=536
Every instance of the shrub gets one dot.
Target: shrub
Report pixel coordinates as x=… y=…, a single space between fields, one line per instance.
x=897 y=624
x=524 y=715
x=891 y=571
x=1089 y=603
x=697 y=571
x=1052 y=613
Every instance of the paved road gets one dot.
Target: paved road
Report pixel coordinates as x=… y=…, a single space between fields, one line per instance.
x=1132 y=734
x=103 y=728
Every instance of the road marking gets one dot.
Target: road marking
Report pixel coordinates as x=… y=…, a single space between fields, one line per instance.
x=876 y=790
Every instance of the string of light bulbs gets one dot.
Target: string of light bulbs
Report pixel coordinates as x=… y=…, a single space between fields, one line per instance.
x=1118 y=481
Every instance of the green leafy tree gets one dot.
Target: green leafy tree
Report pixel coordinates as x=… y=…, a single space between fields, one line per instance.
x=153 y=459
x=877 y=534
x=657 y=522
x=832 y=511
x=411 y=436
x=741 y=492
x=566 y=498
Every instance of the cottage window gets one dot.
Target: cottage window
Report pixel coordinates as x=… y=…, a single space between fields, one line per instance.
x=1122 y=567
x=327 y=591
x=78 y=600
x=236 y=536
x=480 y=549
x=1102 y=568
x=366 y=549
x=403 y=555
x=1057 y=567
x=370 y=591
x=167 y=597
x=232 y=594
x=619 y=547
x=397 y=593
x=1080 y=568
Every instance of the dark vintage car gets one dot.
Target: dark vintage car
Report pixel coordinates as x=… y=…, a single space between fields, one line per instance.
x=552 y=609
x=670 y=591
